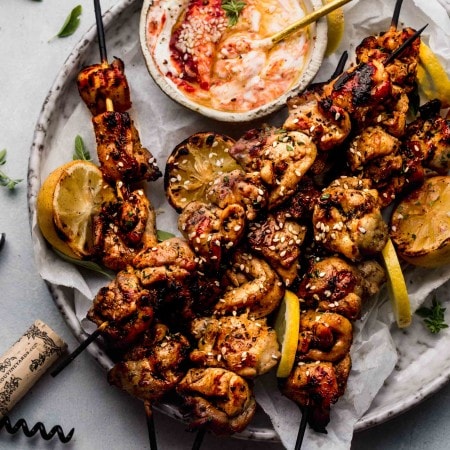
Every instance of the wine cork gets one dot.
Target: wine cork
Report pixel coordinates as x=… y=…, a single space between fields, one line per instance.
x=26 y=361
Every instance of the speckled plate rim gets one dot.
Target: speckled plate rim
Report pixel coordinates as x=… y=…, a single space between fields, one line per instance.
x=61 y=296
x=315 y=60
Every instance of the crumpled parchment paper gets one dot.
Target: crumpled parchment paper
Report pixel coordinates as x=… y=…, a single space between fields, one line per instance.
x=163 y=124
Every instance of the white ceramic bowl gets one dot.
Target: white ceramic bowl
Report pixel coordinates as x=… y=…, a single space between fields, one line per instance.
x=157 y=54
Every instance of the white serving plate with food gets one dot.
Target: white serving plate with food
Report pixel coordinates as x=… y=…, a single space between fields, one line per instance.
x=423 y=365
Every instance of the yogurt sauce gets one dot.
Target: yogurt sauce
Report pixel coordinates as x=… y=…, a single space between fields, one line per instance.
x=214 y=63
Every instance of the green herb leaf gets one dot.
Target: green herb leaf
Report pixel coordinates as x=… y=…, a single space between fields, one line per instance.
x=164 y=235
x=5 y=180
x=80 y=150
x=72 y=22
x=433 y=317
x=86 y=264
x=233 y=8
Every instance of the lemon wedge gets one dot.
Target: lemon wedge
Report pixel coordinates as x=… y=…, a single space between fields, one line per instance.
x=67 y=201
x=336 y=23
x=420 y=224
x=432 y=78
x=396 y=286
x=287 y=325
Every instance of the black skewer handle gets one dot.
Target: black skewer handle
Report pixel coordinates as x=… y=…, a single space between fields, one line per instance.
x=302 y=428
x=398 y=51
x=100 y=32
x=71 y=356
x=199 y=439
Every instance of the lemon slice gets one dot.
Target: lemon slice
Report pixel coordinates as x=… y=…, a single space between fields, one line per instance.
x=67 y=201
x=396 y=286
x=193 y=166
x=336 y=23
x=431 y=76
x=420 y=224
x=287 y=325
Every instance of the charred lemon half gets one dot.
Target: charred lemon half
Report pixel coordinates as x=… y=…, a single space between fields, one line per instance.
x=194 y=164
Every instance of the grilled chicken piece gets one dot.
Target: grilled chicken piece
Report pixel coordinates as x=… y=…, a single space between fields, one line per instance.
x=278 y=240
x=154 y=366
x=316 y=386
x=327 y=124
x=126 y=306
x=98 y=82
x=403 y=69
x=247 y=347
x=324 y=336
x=332 y=284
x=347 y=219
x=238 y=187
x=252 y=287
x=170 y=261
x=429 y=137
x=212 y=231
x=372 y=143
x=122 y=229
x=120 y=152
x=280 y=157
x=217 y=399
x=359 y=89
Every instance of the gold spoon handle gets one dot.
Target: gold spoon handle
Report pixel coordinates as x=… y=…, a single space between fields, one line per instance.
x=309 y=18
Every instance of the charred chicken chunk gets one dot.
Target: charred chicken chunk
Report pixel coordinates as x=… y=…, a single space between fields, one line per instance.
x=126 y=306
x=324 y=336
x=332 y=284
x=359 y=89
x=429 y=137
x=247 y=347
x=154 y=366
x=217 y=399
x=238 y=187
x=169 y=261
x=327 y=124
x=120 y=152
x=252 y=287
x=123 y=228
x=278 y=240
x=280 y=157
x=212 y=231
x=347 y=219
x=370 y=145
x=99 y=82
x=317 y=385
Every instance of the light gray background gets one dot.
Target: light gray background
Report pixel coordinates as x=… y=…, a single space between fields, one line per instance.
x=80 y=397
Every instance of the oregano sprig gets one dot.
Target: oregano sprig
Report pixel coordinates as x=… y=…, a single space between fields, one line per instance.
x=433 y=317
x=233 y=9
x=5 y=180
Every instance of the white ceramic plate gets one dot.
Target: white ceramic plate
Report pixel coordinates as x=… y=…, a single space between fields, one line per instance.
x=424 y=363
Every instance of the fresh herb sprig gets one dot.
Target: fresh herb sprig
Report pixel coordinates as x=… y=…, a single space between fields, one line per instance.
x=72 y=22
x=81 y=151
x=233 y=9
x=5 y=180
x=433 y=317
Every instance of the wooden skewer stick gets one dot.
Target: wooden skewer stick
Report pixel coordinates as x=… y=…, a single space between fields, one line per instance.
x=150 y=425
x=71 y=356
